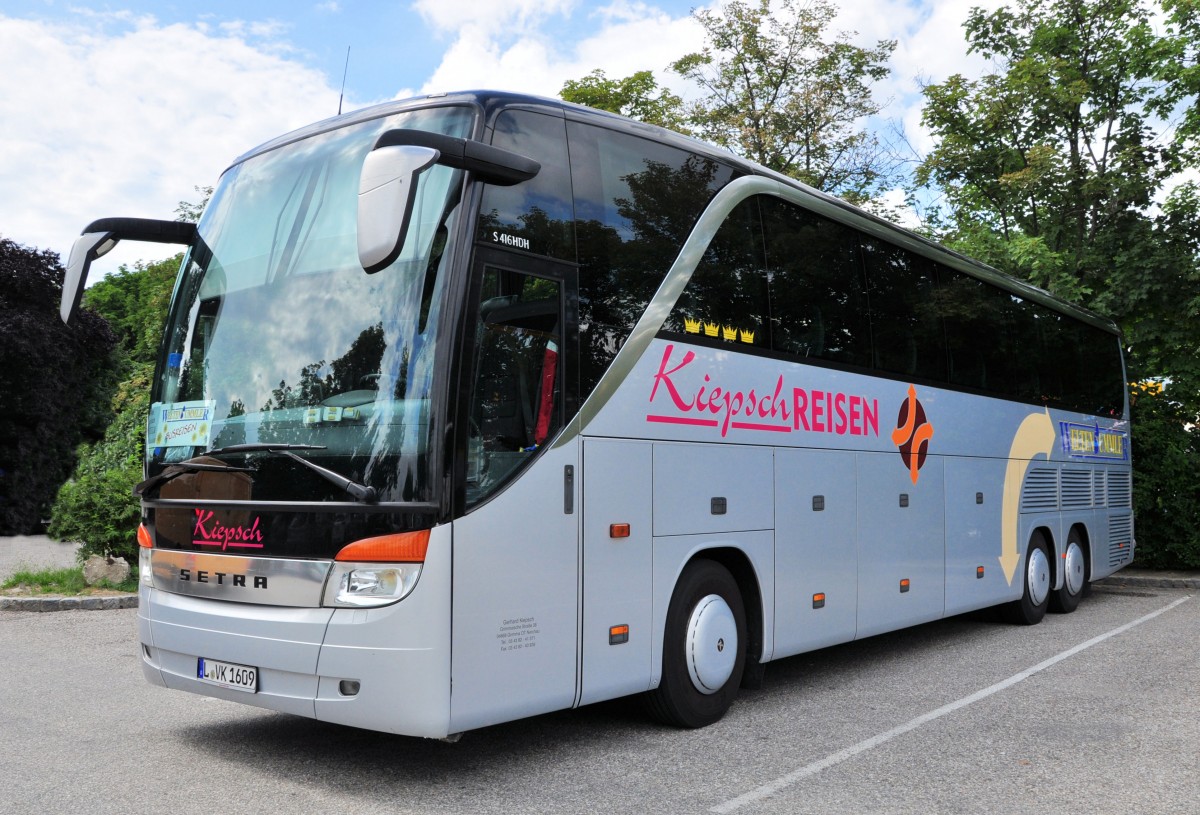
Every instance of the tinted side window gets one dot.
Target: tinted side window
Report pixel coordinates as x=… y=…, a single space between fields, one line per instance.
x=818 y=301
x=1094 y=374
x=726 y=299
x=981 y=338
x=905 y=322
x=535 y=215
x=636 y=202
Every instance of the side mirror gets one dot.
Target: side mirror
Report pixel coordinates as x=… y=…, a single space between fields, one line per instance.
x=387 y=188
x=387 y=183
x=100 y=237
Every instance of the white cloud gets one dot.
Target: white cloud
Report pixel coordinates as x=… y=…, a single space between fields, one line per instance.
x=124 y=116
x=512 y=18
x=520 y=47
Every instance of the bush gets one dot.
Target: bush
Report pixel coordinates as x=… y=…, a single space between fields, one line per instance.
x=1166 y=481
x=97 y=506
x=56 y=381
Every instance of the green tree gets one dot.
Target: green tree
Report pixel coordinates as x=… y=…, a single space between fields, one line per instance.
x=778 y=89
x=55 y=380
x=1050 y=167
x=638 y=96
x=1166 y=496
x=191 y=211
x=97 y=506
x=775 y=87
x=1053 y=152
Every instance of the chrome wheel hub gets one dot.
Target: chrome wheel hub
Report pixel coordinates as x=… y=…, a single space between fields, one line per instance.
x=712 y=644
x=1038 y=576
x=1074 y=566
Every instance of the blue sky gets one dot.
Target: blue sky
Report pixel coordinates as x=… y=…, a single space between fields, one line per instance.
x=115 y=107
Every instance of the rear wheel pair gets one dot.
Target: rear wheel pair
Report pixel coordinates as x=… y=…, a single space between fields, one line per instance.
x=1037 y=595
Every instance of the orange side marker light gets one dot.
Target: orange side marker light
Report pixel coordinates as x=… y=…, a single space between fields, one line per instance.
x=405 y=547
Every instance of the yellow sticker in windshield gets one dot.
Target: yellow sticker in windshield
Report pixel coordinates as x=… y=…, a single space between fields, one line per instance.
x=181 y=424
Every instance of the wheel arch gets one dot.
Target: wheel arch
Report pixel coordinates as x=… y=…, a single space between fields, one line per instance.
x=1052 y=547
x=738 y=563
x=748 y=557
x=1085 y=541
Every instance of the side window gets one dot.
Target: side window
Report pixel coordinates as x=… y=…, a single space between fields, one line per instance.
x=906 y=326
x=516 y=402
x=1091 y=366
x=536 y=215
x=818 y=301
x=636 y=201
x=980 y=340
x=726 y=299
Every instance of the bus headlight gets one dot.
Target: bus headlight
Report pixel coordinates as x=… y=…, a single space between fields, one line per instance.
x=363 y=585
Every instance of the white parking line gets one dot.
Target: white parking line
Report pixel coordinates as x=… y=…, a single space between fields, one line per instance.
x=784 y=781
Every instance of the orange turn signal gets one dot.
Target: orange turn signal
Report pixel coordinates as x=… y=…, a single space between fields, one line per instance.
x=405 y=547
x=143 y=536
x=618 y=530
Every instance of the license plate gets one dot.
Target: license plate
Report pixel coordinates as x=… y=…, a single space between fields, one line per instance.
x=227 y=674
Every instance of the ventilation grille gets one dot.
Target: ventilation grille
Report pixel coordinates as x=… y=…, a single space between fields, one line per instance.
x=1041 y=491
x=1076 y=489
x=1098 y=479
x=1120 y=540
x=1120 y=491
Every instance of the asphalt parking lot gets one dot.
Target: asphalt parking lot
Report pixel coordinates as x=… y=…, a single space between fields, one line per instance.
x=1089 y=712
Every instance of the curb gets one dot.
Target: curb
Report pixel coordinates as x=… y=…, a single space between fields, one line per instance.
x=68 y=603
x=1150 y=582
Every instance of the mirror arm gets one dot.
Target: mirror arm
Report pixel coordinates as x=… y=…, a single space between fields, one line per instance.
x=100 y=237
x=492 y=164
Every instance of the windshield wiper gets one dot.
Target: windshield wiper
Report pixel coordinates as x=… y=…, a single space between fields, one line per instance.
x=182 y=468
x=263 y=448
x=359 y=492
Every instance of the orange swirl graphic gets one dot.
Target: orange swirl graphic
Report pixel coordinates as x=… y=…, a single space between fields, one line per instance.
x=912 y=434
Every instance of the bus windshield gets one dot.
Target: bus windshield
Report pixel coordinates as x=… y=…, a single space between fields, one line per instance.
x=277 y=336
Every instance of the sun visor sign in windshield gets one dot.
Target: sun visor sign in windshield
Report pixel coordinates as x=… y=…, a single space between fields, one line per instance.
x=180 y=424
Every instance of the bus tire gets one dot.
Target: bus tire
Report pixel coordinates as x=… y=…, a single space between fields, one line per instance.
x=1035 y=596
x=704 y=648
x=1075 y=574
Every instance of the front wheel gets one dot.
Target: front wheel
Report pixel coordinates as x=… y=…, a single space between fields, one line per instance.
x=1031 y=608
x=704 y=648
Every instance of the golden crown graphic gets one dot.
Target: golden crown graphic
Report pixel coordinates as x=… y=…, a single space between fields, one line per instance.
x=691 y=326
x=747 y=336
x=728 y=333
x=711 y=329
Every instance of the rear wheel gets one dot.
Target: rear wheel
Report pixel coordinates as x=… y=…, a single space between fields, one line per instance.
x=704 y=648
x=1031 y=608
x=1066 y=599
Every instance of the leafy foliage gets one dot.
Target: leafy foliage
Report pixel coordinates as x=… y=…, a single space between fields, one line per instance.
x=637 y=96
x=55 y=380
x=778 y=90
x=1166 y=485
x=97 y=506
x=1051 y=166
